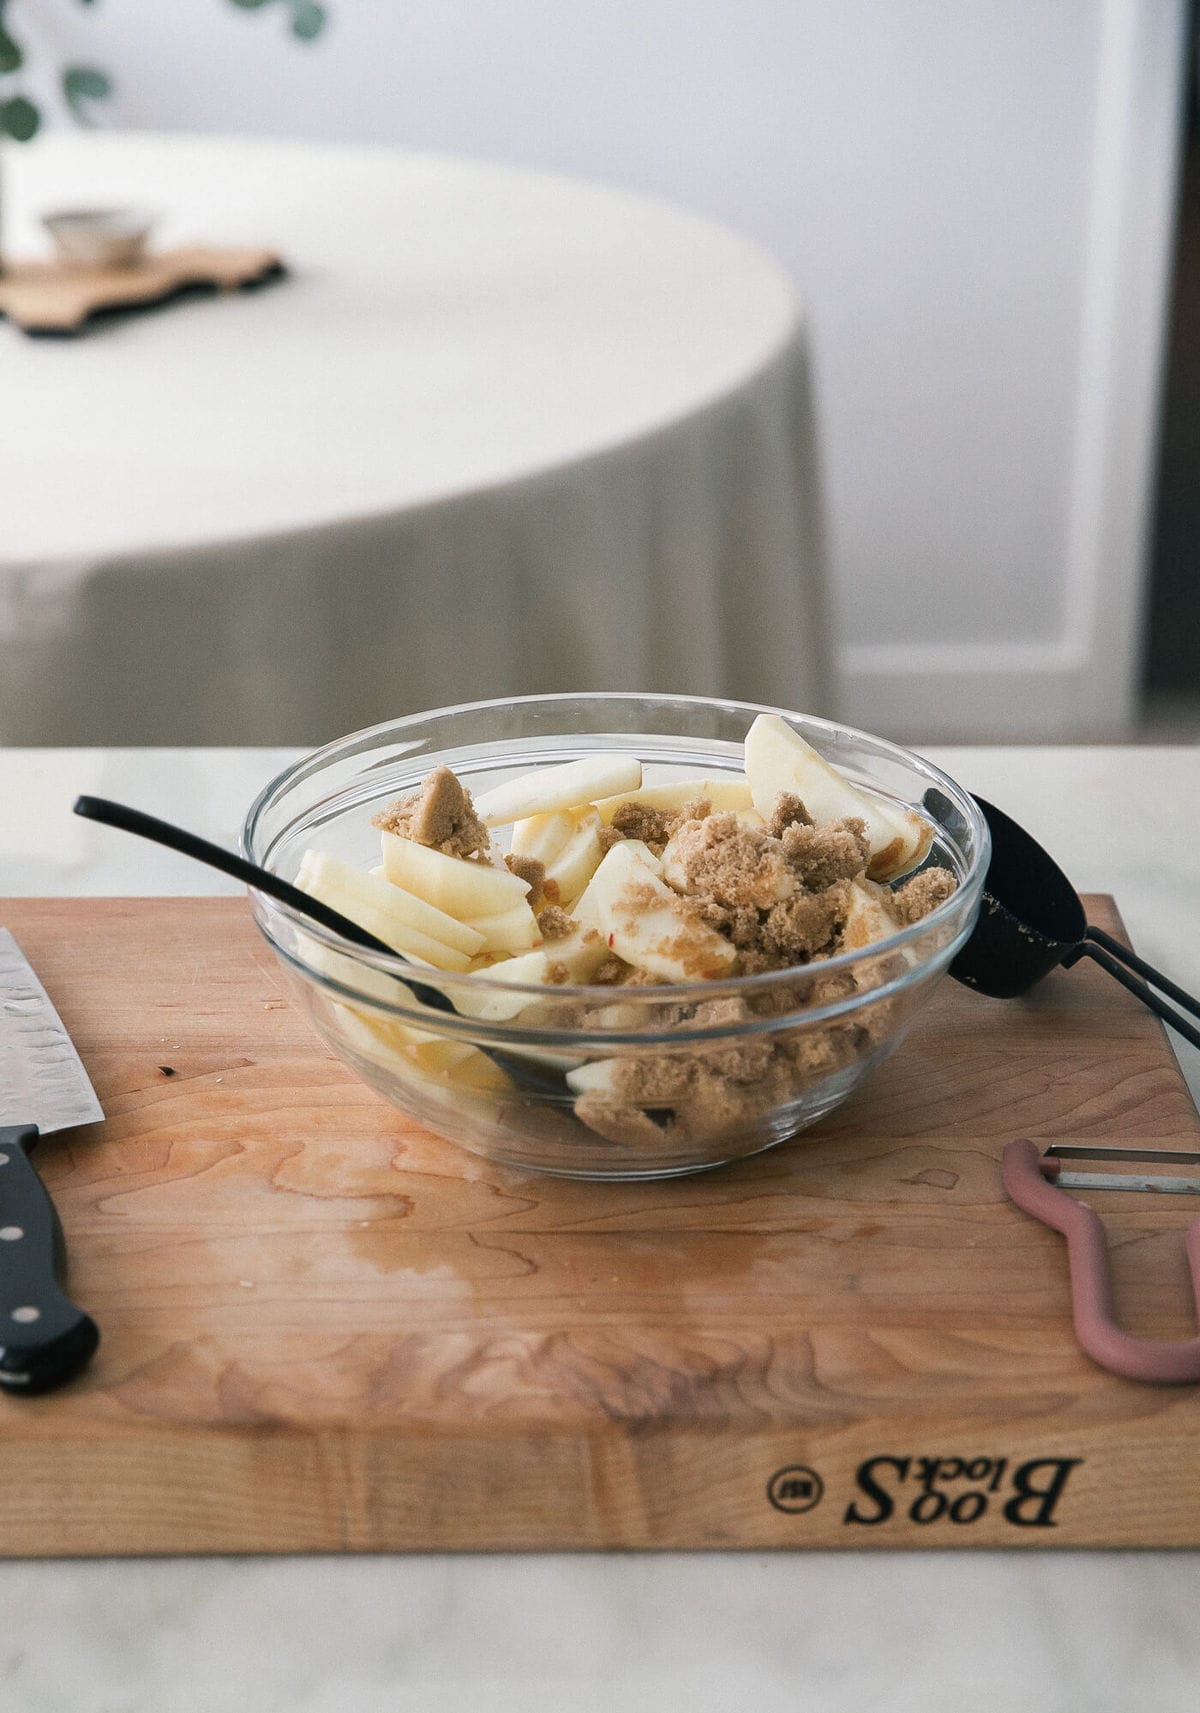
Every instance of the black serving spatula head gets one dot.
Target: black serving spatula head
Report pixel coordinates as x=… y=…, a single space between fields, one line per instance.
x=45 y=1339
x=1032 y=920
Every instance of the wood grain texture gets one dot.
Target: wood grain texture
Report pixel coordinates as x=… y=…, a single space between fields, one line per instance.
x=51 y=297
x=325 y=1329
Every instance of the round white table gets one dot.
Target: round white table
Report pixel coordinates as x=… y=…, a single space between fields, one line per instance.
x=498 y=432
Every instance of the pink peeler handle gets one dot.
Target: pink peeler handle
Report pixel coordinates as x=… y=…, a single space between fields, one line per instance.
x=1023 y=1169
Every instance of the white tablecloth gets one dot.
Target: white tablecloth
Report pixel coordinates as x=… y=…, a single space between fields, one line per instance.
x=499 y=432
x=836 y=1632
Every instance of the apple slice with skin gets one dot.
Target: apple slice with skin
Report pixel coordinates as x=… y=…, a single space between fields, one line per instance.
x=565 y=787
x=723 y=793
x=647 y=925
x=778 y=759
x=462 y=889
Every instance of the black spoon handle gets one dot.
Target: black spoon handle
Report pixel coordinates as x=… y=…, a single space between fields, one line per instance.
x=261 y=879
x=44 y=1338
x=1147 y=971
x=1139 y=990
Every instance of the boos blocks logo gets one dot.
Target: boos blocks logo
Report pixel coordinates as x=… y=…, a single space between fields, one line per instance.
x=955 y=1491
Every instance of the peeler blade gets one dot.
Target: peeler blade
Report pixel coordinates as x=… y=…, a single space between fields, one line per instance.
x=1154 y=1183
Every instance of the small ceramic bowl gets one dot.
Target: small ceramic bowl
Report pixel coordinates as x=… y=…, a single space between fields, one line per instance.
x=818 y=1029
x=100 y=237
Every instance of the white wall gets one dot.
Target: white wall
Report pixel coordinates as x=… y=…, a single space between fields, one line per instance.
x=975 y=197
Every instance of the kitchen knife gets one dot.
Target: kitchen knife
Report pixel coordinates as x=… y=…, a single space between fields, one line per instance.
x=44 y=1337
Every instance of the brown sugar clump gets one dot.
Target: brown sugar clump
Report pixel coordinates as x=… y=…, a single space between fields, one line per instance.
x=640 y=821
x=923 y=893
x=730 y=864
x=819 y=856
x=554 y=923
x=528 y=869
x=611 y=971
x=789 y=811
x=440 y=814
x=807 y=925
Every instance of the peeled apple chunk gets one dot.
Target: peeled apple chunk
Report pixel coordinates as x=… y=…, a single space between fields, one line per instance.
x=730 y=793
x=383 y=911
x=656 y=935
x=450 y=883
x=565 y=787
x=778 y=759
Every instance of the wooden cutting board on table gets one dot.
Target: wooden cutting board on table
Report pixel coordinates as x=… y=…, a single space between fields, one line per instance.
x=325 y=1329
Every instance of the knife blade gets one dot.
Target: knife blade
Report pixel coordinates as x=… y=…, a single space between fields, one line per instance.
x=45 y=1338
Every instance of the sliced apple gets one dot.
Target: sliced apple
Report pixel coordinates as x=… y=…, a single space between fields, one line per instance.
x=576 y=862
x=584 y=909
x=723 y=793
x=543 y=837
x=462 y=889
x=672 y=869
x=565 y=787
x=870 y=917
x=513 y=930
x=567 y=844
x=598 y=1076
x=778 y=759
x=322 y=869
x=580 y=954
x=369 y=902
x=390 y=1044
x=647 y=924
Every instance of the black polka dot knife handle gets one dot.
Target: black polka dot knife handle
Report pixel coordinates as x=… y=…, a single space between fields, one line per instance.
x=44 y=1338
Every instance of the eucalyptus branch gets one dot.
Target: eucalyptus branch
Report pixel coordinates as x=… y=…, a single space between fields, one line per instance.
x=20 y=115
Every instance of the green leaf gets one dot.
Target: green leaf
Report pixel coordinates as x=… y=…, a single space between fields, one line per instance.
x=81 y=84
x=19 y=118
x=11 y=57
x=308 y=19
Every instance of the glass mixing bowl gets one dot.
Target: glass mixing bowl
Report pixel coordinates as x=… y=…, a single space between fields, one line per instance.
x=722 y=1069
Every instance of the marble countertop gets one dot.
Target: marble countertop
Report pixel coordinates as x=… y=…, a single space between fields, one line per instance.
x=847 y=1632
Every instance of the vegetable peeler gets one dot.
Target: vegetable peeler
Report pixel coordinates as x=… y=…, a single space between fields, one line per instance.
x=1038 y=1184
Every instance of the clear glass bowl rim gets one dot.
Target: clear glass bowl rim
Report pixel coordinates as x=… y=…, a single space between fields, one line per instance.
x=402 y=968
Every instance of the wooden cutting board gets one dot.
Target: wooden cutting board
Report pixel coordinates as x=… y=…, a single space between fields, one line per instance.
x=325 y=1329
